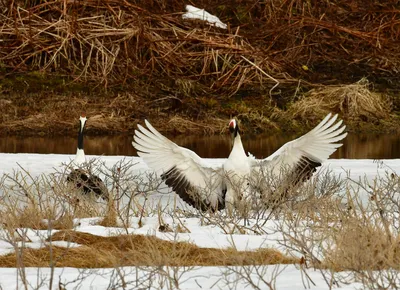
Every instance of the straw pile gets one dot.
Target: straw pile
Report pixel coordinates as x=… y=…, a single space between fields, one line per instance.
x=354 y=102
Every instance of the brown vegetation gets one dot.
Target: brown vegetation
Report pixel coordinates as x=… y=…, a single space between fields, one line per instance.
x=137 y=250
x=348 y=234
x=356 y=103
x=374 y=249
x=148 y=62
x=127 y=40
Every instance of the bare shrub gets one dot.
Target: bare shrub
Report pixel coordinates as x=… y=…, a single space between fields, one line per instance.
x=373 y=250
x=56 y=203
x=354 y=230
x=34 y=202
x=255 y=277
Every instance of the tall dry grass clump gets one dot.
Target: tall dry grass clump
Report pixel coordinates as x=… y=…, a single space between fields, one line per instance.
x=362 y=245
x=355 y=102
x=42 y=202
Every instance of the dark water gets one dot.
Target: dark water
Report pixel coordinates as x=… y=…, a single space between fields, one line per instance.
x=356 y=146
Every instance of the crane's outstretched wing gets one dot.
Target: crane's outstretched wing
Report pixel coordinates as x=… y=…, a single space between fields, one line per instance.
x=191 y=177
x=303 y=155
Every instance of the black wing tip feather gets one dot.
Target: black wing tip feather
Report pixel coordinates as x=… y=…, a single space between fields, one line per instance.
x=88 y=183
x=179 y=183
x=304 y=170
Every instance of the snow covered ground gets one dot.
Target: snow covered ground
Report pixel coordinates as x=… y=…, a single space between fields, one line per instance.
x=290 y=277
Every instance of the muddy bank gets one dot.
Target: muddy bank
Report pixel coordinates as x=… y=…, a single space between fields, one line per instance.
x=49 y=113
x=38 y=105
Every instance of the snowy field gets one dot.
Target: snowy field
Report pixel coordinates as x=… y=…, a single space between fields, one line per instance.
x=290 y=276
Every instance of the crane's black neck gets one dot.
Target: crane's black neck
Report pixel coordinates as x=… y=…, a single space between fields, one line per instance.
x=80 y=135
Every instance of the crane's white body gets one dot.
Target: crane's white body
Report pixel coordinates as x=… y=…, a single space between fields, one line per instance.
x=237 y=171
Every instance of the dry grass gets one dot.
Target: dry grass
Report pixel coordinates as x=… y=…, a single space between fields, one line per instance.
x=363 y=246
x=65 y=222
x=119 y=113
x=354 y=102
x=44 y=202
x=265 y=44
x=27 y=217
x=212 y=126
x=57 y=113
x=270 y=51
x=34 y=218
x=124 y=41
x=110 y=217
x=138 y=250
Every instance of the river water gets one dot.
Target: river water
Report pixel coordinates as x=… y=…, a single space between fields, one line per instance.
x=356 y=146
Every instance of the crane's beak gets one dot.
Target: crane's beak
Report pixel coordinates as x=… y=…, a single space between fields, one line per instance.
x=82 y=121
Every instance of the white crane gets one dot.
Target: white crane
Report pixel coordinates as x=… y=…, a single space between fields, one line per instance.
x=205 y=187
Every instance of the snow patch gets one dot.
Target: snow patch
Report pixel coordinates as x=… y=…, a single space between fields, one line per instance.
x=201 y=14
